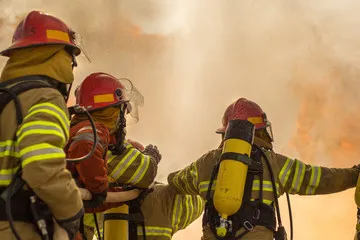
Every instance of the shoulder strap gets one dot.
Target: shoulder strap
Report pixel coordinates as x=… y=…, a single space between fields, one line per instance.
x=22 y=85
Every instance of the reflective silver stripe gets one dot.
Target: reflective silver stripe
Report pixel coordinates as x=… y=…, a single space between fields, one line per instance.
x=200 y=206
x=145 y=161
x=285 y=171
x=6 y=175
x=87 y=128
x=123 y=165
x=155 y=231
x=85 y=137
x=9 y=148
x=298 y=178
x=187 y=210
x=53 y=108
x=314 y=180
x=40 y=127
x=37 y=152
x=196 y=208
x=191 y=210
x=178 y=183
x=188 y=188
x=194 y=176
x=267 y=186
x=203 y=186
x=176 y=213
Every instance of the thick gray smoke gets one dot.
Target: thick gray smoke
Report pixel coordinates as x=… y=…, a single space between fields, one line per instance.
x=298 y=59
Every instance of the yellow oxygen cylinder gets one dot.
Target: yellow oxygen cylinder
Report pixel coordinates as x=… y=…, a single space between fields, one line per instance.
x=116 y=229
x=230 y=182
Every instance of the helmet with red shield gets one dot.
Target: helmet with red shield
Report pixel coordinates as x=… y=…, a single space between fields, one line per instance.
x=247 y=110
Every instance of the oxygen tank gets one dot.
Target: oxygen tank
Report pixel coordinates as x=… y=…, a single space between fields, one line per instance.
x=116 y=229
x=230 y=182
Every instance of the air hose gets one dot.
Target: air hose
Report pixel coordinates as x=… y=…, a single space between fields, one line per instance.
x=281 y=231
x=81 y=110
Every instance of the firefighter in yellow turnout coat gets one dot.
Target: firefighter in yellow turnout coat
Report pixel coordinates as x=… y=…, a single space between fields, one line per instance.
x=43 y=52
x=291 y=175
x=135 y=166
x=165 y=213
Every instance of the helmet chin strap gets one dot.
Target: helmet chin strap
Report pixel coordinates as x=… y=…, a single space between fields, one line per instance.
x=68 y=86
x=120 y=134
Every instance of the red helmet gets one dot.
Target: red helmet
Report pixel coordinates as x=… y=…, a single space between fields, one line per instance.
x=100 y=90
x=38 y=29
x=246 y=110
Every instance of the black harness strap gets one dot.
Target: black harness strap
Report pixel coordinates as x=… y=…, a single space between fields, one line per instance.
x=22 y=84
x=97 y=226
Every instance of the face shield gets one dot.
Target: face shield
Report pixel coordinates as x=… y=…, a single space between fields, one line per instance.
x=268 y=128
x=76 y=38
x=134 y=98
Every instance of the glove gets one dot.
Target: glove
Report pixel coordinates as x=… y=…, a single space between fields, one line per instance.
x=153 y=152
x=96 y=200
x=70 y=226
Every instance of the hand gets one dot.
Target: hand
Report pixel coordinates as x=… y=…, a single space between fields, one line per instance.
x=153 y=152
x=66 y=229
x=59 y=233
x=96 y=200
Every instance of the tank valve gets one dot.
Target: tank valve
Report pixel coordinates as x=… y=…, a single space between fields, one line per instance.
x=224 y=227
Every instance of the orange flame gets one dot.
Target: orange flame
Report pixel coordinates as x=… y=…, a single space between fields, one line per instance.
x=326 y=123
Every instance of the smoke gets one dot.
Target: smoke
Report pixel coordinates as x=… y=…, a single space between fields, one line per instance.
x=190 y=59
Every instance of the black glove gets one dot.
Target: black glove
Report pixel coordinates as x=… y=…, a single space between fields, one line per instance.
x=72 y=225
x=96 y=200
x=153 y=152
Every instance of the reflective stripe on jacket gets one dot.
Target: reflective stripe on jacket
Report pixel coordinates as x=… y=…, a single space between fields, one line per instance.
x=132 y=167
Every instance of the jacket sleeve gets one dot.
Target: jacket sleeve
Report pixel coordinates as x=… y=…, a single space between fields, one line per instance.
x=186 y=209
x=92 y=171
x=41 y=138
x=195 y=178
x=132 y=167
x=296 y=177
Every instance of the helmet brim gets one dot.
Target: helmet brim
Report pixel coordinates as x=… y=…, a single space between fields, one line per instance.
x=7 y=52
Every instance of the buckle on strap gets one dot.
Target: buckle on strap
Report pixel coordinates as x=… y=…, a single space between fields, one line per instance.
x=248 y=226
x=256 y=214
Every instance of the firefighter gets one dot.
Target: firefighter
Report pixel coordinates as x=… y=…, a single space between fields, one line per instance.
x=290 y=176
x=104 y=97
x=159 y=201
x=165 y=213
x=108 y=101
x=34 y=130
